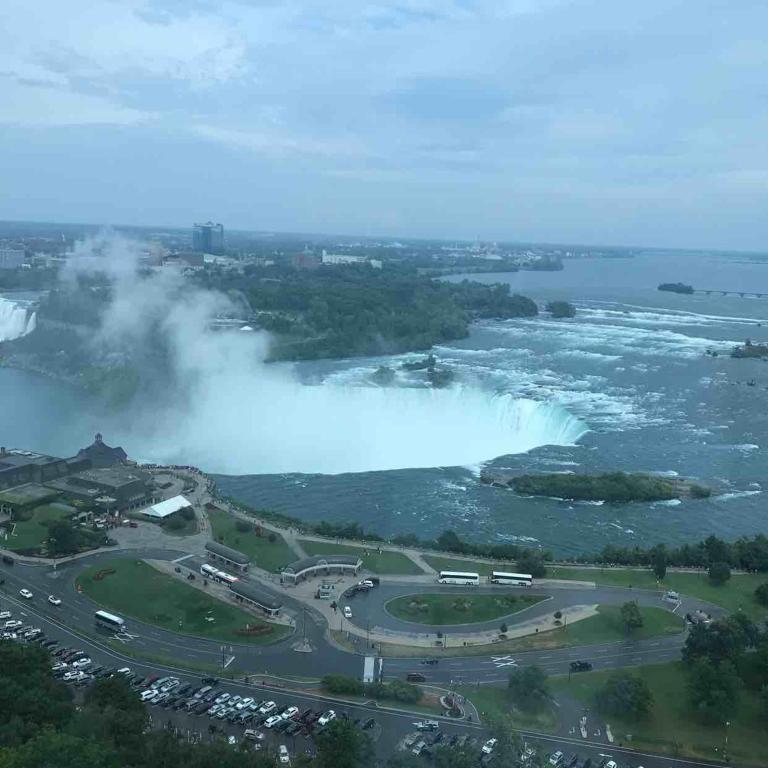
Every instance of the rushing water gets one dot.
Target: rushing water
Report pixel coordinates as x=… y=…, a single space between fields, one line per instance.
x=627 y=384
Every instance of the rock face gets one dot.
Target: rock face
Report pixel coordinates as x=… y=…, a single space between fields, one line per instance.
x=748 y=349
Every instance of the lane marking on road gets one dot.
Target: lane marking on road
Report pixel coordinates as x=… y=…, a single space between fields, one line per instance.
x=229 y=660
x=124 y=637
x=503 y=661
x=181 y=559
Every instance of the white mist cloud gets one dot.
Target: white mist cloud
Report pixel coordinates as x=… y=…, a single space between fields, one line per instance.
x=234 y=413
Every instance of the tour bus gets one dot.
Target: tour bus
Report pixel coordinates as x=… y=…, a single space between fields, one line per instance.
x=512 y=579
x=457 y=577
x=110 y=621
x=214 y=574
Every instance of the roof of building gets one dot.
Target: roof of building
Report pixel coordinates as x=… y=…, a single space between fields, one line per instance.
x=167 y=507
x=27 y=495
x=227 y=553
x=331 y=561
x=15 y=457
x=251 y=591
x=114 y=477
x=102 y=455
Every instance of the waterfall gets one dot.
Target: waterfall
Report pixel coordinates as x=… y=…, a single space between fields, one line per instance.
x=249 y=427
x=15 y=320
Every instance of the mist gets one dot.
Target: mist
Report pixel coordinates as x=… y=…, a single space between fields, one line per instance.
x=226 y=410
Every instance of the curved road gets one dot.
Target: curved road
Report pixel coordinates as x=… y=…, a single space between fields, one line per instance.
x=281 y=659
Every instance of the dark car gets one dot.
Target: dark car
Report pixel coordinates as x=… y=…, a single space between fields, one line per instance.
x=8 y=560
x=369 y=723
x=430 y=661
x=570 y=761
x=415 y=677
x=210 y=680
x=581 y=666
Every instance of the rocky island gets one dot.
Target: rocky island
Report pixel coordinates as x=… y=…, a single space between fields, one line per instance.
x=676 y=287
x=748 y=349
x=616 y=487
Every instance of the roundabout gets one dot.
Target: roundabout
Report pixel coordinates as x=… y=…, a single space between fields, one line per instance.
x=434 y=609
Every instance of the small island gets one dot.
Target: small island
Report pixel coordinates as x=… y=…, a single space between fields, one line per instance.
x=615 y=487
x=561 y=309
x=748 y=350
x=676 y=287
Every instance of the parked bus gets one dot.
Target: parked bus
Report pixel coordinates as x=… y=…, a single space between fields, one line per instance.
x=214 y=574
x=513 y=579
x=457 y=577
x=110 y=621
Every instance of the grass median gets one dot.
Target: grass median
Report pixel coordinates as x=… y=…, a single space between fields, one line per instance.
x=385 y=562
x=133 y=588
x=268 y=551
x=445 y=609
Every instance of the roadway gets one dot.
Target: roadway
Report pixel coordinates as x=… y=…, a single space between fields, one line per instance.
x=72 y=625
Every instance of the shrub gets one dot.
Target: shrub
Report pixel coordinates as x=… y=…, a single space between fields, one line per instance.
x=624 y=695
x=761 y=594
x=242 y=526
x=719 y=573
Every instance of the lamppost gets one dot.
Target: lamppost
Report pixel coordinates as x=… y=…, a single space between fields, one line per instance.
x=725 y=748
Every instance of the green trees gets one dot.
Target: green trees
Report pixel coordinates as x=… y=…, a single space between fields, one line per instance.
x=624 y=695
x=531 y=561
x=631 y=617
x=719 y=573
x=560 y=309
x=616 y=487
x=761 y=594
x=713 y=688
x=396 y=690
x=63 y=538
x=343 y=745
x=528 y=687
x=659 y=561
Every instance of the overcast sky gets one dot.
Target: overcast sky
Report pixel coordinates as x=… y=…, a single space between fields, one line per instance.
x=594 y=121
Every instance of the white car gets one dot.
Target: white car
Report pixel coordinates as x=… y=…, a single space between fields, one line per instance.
x=54 y=600
x=365 y=583
x=124 y=671
x=13 y=624
x=283 y=756
x=347 y=612
x=221 y=699
x=73 y=675
x=253 y=735
x=26 y=594
x=244 y=703
x=488 y=746
x=148 y=695
x=272 y=721
x=81 y=663
x=326 y=717
x=289 y=713
x=59 y=665
x=5 y=615
x=557 y=757
x=265 y=709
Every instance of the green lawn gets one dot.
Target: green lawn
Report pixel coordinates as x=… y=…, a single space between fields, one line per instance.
x=32 y=533
x=606 y=626
x=489 y=700
x=445 y=609
x=671 y=728
x=136 y=589
x=736 y=594
x=270 y=555
x=385 y=563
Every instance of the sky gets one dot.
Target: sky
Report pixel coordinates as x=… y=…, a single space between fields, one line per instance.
x=585 y=121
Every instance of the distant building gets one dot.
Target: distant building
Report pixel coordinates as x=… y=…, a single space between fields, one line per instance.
x=306 y=260
x=208 y=238
x=101 y=455
x=11 y=258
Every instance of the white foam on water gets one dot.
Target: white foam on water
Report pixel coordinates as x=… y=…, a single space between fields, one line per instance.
x=735 y=495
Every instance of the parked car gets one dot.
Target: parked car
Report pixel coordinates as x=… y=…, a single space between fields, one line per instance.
x=289 y=713
x=581 y=666
x=326 y=717
x=272 y=721
x=427 y=725
x=283 y=756
x=253 y=735
x=489 y=746
x=556 y=758
x=267 y=708
x=5 y=615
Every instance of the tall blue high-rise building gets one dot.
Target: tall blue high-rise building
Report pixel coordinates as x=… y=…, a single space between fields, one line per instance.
x=208 y=237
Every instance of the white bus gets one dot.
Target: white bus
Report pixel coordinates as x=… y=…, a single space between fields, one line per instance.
x=457 y=577
x=214 y=574
x=513 y=579
x=110 y=621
